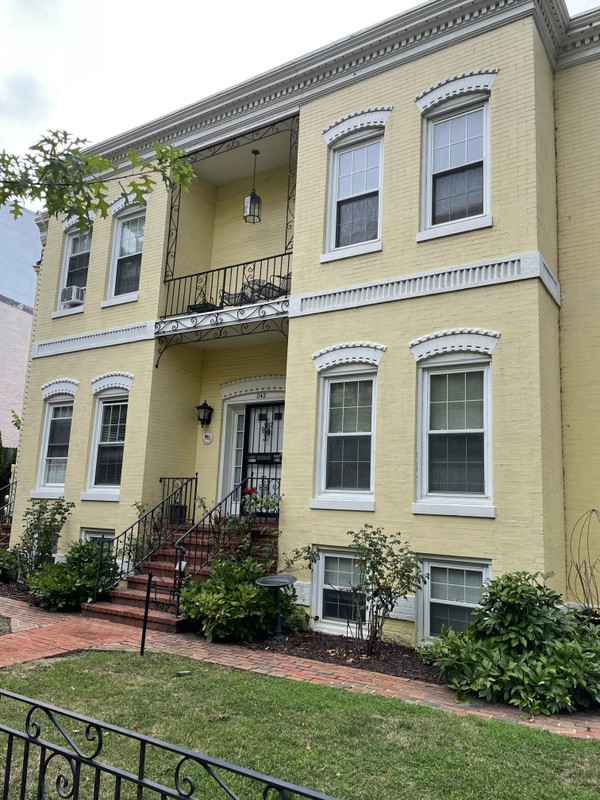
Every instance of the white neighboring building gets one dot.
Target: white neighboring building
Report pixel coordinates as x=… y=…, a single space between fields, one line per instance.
x=20 y=249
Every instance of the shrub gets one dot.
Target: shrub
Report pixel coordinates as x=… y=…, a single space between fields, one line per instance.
x=65 y=586
x=8 y=565
x=523 y=649
x=229 y=605
x=43 y=522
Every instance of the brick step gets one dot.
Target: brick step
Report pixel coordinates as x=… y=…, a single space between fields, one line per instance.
x=137 y=599
x=163 y=569
x=129 y=615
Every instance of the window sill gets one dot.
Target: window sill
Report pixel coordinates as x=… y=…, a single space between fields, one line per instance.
x=47 y=493
x=450 y=508
x=120 y=300
x=352 y=250
x=102 y=495
x=341 y=502
x=67 y=312
x=460 y=226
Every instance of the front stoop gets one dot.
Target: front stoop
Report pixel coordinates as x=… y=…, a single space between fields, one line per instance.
x=126 y=603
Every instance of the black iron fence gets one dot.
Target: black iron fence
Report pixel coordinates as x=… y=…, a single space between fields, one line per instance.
x=122 y=555
x=236 y=285
x=254 y=502
x=49 y=752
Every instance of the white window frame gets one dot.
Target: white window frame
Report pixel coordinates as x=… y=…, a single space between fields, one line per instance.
x=347 y=145
x=454 y=108
x=72 y=232
x=51 y=490
x=122 y=216
x=338 y=627
x=351 y=499
x=103 y=492
x=453 y=504
x=424 y=592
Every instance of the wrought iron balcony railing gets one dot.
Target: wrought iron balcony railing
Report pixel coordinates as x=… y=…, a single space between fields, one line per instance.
x=237 y=285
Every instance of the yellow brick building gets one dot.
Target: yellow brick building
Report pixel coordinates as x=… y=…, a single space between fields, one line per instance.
x=405 y=339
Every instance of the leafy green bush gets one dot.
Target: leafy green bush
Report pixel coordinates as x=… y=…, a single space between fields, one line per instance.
x=522 y=649
x=8 y=565
x=65 y=586
x=43 y=522
x=229 y=605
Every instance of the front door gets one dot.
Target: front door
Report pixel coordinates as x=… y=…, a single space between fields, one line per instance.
x=263 y=445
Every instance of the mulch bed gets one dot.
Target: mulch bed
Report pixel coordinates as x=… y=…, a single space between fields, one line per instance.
x=394 y=659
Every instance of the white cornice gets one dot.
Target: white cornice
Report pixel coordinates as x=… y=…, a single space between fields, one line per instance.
x=89 y=341
x=452 y=279
x=349 y=353
x=59 y=386
x=473 y=340
x=111 y=380
x=279 y=93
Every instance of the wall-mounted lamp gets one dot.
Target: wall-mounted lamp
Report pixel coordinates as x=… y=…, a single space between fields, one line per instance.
x=205 y=413
x=252 y=202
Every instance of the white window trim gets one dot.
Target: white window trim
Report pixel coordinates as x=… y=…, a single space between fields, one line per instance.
x=350 y=500
x=43 y=489
x=104 y=493
x=454 y=107
x=122 y=213
x=71 y=229
x=354 y=138
x=423 y=594
x=318 y=572
x=466 y=505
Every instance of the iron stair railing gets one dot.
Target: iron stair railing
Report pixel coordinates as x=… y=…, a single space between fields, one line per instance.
x=218 y=529
x=7 y=501
x=175 y=512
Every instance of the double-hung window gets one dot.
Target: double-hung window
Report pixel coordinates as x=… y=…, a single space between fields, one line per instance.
x=345 y=455
x=454 y=422
x=55 y=447
x=126 y=262
x=451 y=593
x=75 y=272
x=455 y=180
x=357 y=188
x=338 y=602
x=111 y=442
x=355 y=184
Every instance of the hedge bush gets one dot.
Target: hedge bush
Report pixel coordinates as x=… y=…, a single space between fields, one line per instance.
x=65 y=586
x=229 y=605
x=523 y=649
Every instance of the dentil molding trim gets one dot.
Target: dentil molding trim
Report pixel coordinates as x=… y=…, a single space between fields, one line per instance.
x=88 y=341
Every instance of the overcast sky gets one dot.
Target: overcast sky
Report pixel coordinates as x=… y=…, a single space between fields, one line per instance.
x=97 y=68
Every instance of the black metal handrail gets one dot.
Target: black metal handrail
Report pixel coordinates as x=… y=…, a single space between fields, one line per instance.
x=236 y=285
x=175 y=512
x=56 y=753
x=219 y=528
x=7 y=501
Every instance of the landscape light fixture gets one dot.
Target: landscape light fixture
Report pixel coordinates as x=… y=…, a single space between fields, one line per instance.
x=252 y=202
x=205 y=413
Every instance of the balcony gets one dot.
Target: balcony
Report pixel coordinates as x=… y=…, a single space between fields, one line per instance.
x=244 y=284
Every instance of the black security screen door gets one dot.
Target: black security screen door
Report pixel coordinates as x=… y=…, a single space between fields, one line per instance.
x=263 y=445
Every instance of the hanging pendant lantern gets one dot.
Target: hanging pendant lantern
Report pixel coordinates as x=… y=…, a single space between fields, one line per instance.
x=252 y=202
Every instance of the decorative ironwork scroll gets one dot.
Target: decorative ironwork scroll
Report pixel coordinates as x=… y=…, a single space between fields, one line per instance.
x=46 y=759
x=291 y=124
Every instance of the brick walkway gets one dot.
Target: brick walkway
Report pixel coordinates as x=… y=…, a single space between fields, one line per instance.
x=39 y=634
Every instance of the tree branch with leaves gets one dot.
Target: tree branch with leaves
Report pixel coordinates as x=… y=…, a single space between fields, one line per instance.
x=74 y=182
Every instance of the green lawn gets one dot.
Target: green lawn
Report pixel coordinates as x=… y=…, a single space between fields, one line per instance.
x=353 y=746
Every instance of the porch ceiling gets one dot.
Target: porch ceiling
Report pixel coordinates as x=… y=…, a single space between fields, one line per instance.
x=237 y=162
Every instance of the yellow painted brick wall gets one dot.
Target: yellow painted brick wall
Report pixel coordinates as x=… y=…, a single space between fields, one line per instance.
x=546 y=156
x=577 y=136
x=235 y=240
x=94 y=317
x=513 y=164
x=136 y=358
x=521 y=427
x=195 y=231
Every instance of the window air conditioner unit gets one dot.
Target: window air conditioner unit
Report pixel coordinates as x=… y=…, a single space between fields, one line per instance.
x=72 y=295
